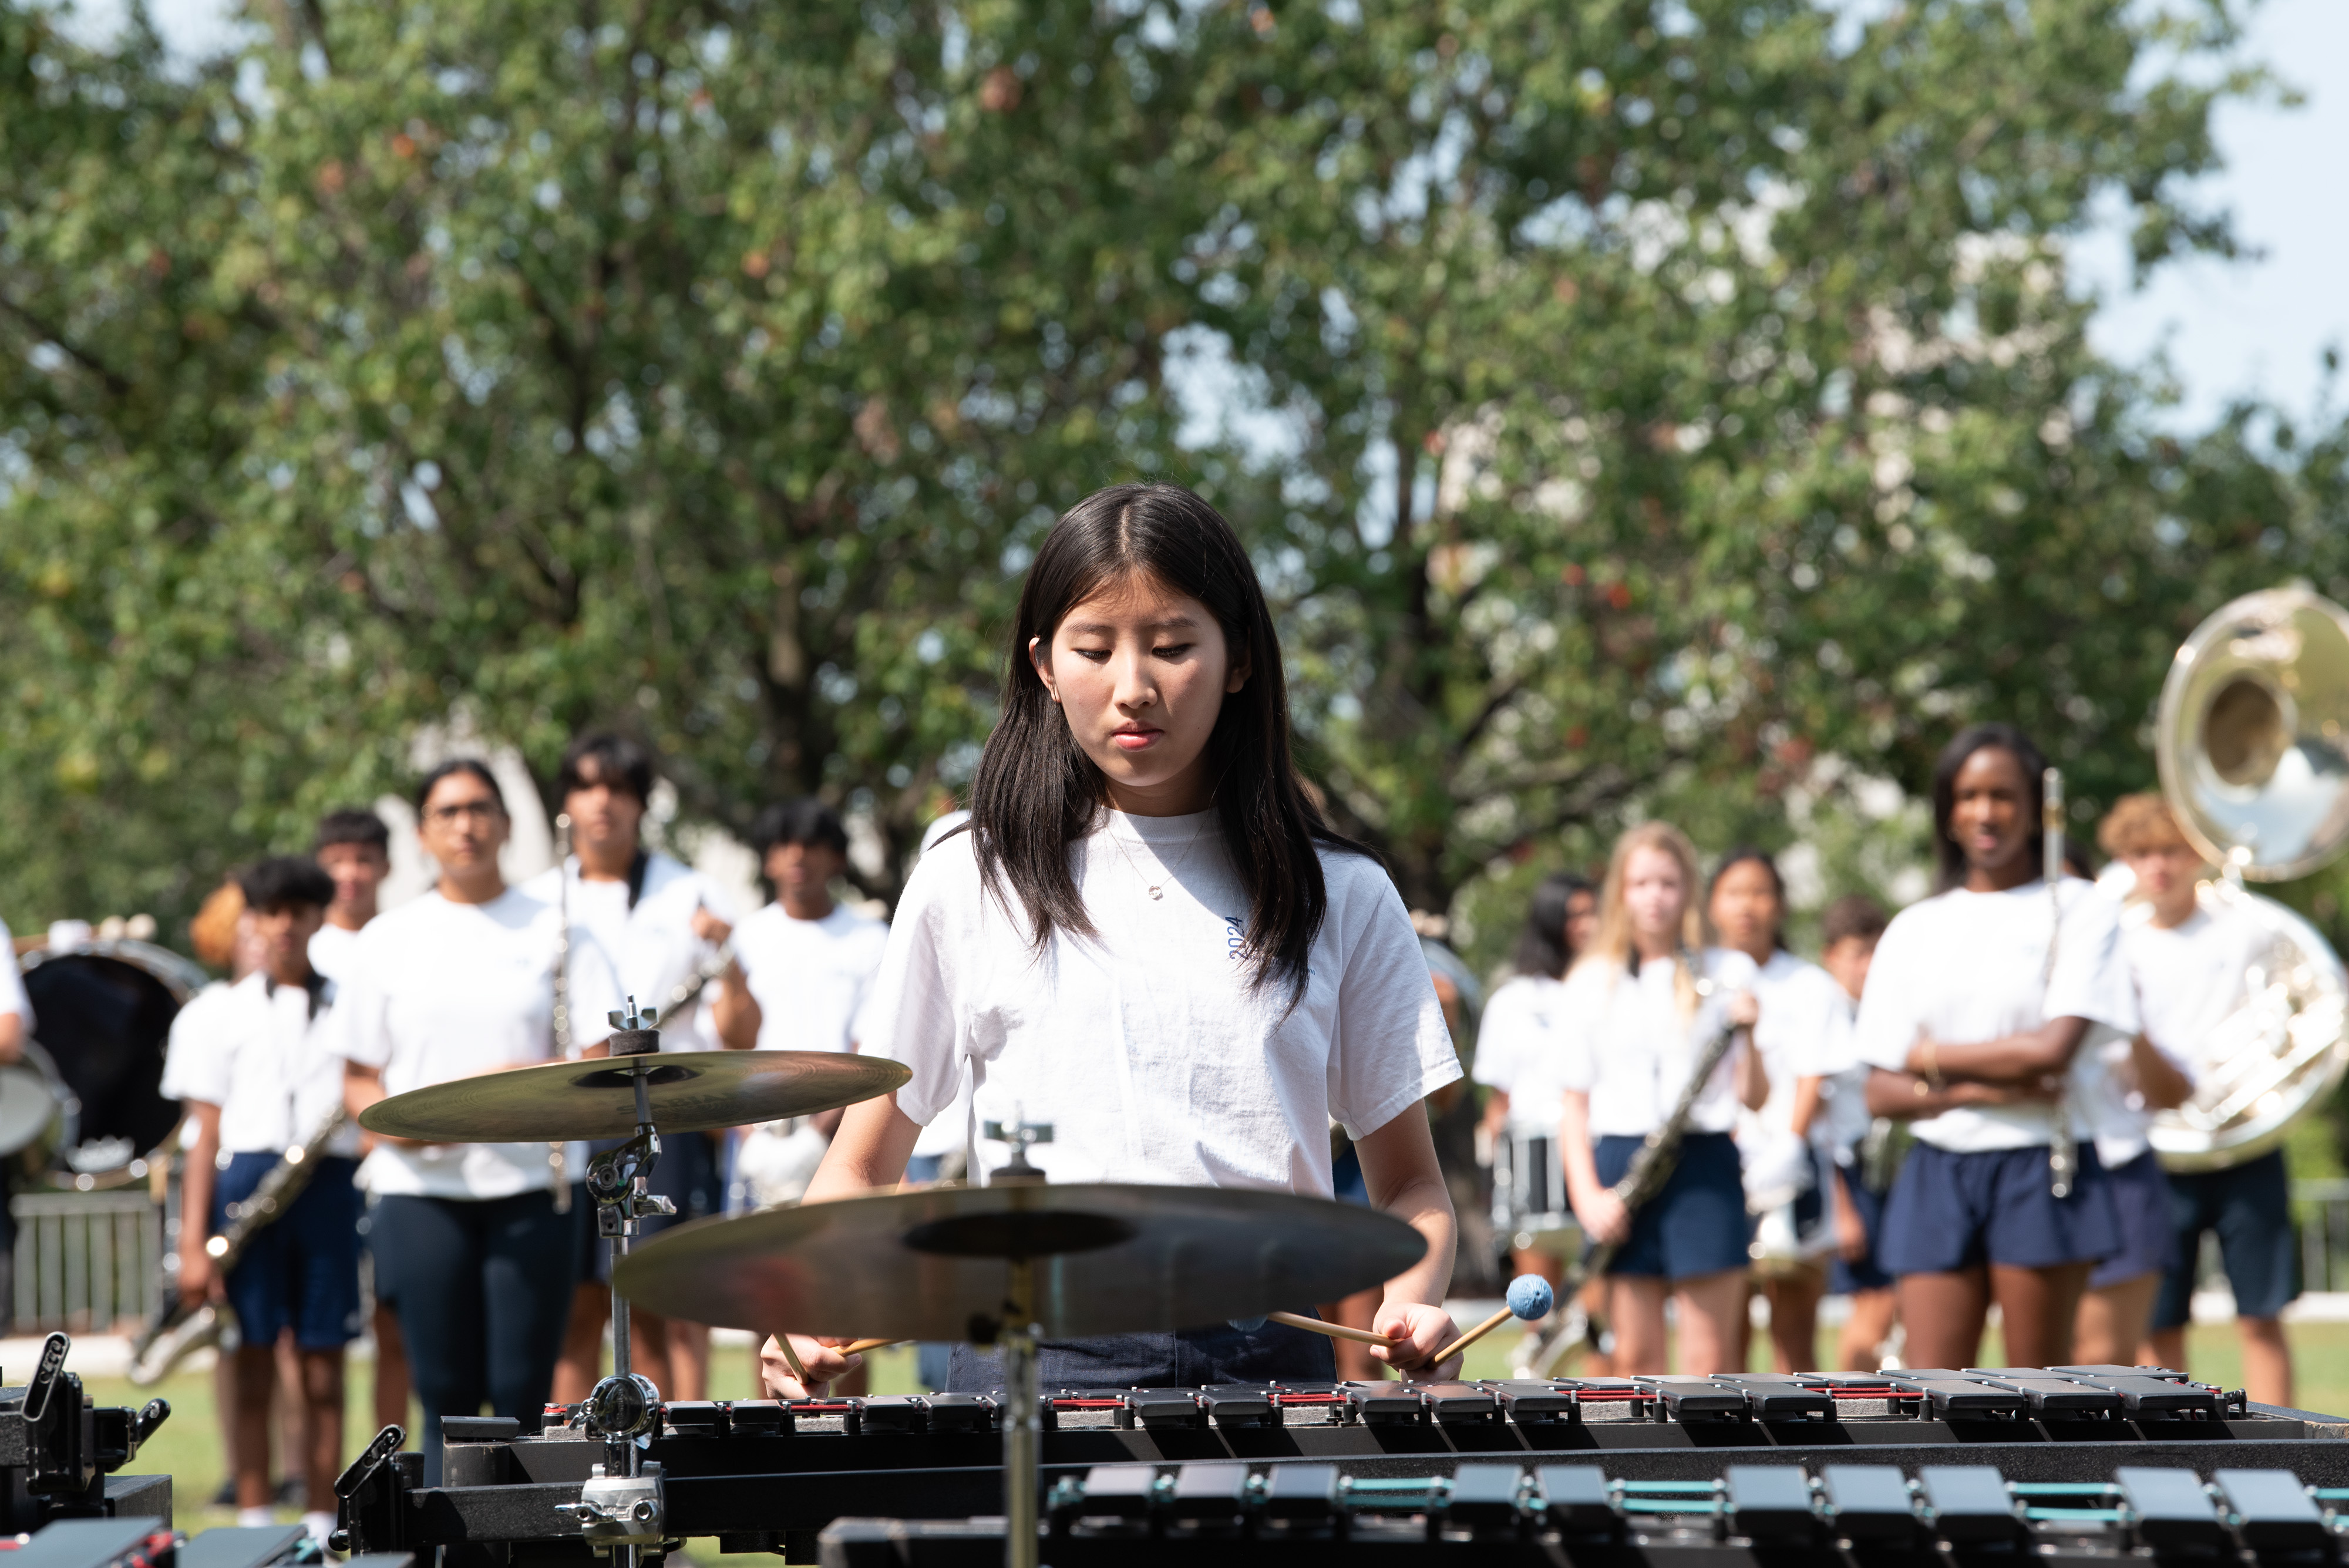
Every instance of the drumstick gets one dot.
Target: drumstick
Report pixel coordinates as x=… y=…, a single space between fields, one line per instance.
x=858 y=1347
x=1529 y=1298
x=1334 y=1330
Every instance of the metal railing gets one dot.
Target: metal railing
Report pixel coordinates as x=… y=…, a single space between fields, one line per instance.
x=85 y=1262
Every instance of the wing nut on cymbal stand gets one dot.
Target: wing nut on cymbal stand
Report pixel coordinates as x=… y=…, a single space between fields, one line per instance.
x=621 y=1508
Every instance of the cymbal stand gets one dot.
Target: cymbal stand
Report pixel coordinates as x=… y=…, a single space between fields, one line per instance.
x=621 y=1507
x=1023 y=1427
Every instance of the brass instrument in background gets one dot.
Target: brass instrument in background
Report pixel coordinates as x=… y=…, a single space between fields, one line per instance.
x=2252 y=741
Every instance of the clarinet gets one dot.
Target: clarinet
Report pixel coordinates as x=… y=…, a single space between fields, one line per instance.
x=561 y=1016
x=178 y=1329
x=2063 y=1154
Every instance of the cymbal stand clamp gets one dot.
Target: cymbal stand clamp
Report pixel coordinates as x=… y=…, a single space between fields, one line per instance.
x=622 y=1507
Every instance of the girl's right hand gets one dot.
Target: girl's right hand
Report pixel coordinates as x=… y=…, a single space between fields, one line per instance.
x=1604 y=1218
x=825 y=1366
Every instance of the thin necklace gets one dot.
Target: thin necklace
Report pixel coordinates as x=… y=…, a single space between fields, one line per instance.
x=1158 y=888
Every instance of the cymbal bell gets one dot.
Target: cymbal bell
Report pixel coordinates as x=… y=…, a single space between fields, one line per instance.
x=1109 y=1259
x=691 y=1091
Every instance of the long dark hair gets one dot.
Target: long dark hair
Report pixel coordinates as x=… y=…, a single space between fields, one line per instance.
x=1973 y=738
x=1036 y=791
x=1754 y=854
x=1542 y=946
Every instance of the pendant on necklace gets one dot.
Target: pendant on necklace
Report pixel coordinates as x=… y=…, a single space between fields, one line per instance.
x=1157 y=893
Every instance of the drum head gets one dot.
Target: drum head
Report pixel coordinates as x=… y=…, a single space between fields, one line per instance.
x=105 y=1016
x=30 y=1099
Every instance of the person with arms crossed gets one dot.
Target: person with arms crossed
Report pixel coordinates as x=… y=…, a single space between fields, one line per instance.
x=1632 y=1024
x=1802 y=1033
x=810 y=959
x=16 y=1028
x=1848 y=932
x=652 y=924
x=1978 y=999
x=1149 y=941
x=458 y=981
x=353 y=845
x=258 y=1082
x=2191 y=966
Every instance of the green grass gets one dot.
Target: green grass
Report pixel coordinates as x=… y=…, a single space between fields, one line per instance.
x=190 y=1449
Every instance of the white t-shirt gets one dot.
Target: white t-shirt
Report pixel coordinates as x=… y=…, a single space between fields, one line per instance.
x=1515 y=1044
x=1624 y=1042
x=810 y=978
x=1804 y=1032
x=1146 y=1047
x=2189 y=978
x=440 y=991
x=264 y=1059
x=330 y=950
x=1967 y=967
x=646 y=952
x=12 y=981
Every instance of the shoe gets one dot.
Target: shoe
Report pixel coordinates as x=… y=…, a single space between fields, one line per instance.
x=226 y=1496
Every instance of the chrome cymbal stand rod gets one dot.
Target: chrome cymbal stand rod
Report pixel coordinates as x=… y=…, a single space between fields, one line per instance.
x=1022 y=1422
x=622 y=1509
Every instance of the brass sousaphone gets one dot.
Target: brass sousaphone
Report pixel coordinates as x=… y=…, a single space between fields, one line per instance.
x=2253 y=746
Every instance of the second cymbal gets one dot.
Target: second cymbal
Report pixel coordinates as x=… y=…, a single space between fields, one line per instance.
x=691 y=1091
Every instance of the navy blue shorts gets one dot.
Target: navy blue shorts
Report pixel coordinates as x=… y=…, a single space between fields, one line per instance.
x=1951 y=1211
x=2141 y=1202
x=1697 y=1225
x=1191 y=1359
x=301 y=1271
x=686 y=1174
x=2250 y=1205
x=1845 y=1277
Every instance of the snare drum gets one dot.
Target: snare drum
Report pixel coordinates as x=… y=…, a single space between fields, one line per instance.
x=1528 y=1186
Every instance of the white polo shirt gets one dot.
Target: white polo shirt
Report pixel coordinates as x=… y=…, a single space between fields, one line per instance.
x=1625 y=1043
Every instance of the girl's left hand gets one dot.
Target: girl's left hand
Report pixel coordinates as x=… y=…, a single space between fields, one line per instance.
x=1419 y=1331
x=1742 y=1009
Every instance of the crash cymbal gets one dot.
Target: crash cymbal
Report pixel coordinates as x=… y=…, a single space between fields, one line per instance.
x=691 y=1091
x=1109 y=1259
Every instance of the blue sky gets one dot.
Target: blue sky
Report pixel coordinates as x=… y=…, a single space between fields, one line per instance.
x=2253 y=327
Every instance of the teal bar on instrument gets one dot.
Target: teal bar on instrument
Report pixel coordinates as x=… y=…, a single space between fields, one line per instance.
x=1670 y=1486
x=2073 y=1515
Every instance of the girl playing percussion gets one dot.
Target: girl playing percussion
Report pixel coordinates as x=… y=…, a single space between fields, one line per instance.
x=1632 y=1022
x=1972 y=1027
x=1150 y=941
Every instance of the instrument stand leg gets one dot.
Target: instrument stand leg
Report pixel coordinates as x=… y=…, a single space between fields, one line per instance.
x=1022 y=1423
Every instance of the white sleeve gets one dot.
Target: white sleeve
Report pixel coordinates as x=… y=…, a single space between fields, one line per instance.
x=910 y=1014
x=2091 y=978
x=1574 y=1062
x=1824 y=1046
x=1504 y=1038
x=1892 y=1007
x=194 y=1065
x=1392 y=1049
x=359 y=1030
x=12 y=981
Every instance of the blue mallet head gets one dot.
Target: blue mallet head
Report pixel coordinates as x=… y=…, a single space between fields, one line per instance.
x=1530 y=1297
x=1245 y=1325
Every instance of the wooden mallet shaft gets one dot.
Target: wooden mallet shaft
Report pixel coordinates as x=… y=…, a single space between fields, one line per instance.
x=858 y=1347
x=792 y=1358
x=1472 y=1336
x=1334 y=1330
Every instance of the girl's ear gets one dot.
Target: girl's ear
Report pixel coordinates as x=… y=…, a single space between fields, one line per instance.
x=1238 y=677
x=1044 y=667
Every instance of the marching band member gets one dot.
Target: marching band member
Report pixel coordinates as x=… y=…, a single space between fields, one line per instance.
x=258 y=1082
x=653 y=922
x=16 y=1027
x=1848 y=932
x=2143 y=1075
x=810 y=959
x=1631 y=1024
x=1150 y=941
x=353 y=845
x=1802 y=1033
x=455 y=983
x=1973 y=1026
x=2190 y=966
x=1515 y=1039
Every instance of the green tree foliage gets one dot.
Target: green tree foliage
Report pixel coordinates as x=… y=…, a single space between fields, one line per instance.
x=713 y=368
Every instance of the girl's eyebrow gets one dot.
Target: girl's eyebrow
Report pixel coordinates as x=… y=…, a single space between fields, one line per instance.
x=1104 y=628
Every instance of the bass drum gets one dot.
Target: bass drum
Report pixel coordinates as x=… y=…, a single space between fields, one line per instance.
x=103 y=1014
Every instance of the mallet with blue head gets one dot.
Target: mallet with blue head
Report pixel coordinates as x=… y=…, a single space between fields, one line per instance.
x=1529 y=1298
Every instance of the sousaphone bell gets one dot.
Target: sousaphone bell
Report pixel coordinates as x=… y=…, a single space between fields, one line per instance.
x=2252 y=742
